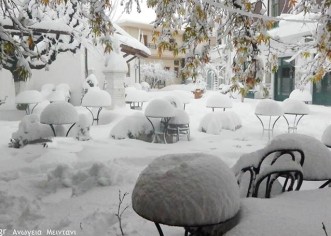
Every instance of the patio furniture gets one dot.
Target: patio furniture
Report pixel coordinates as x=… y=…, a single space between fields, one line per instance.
x=272 y=111
x=219 y=101
x=29 y=97
x=296 y=110
x=59 y=113
x=179 y=124
x=301 y=95
x=317 y=164
x=186 y=190
x=135 y=98
x=96 y=98
x=278 y=159
x=159 y=109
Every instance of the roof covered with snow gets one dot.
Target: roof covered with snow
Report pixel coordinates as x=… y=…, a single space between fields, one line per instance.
x=186 y=190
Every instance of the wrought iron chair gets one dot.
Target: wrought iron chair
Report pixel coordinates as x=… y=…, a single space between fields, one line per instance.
x=265 y=166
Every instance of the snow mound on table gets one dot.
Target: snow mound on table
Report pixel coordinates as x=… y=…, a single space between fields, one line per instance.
x=145 y=86
x=59 y=113
x=92 y=80
x=159 y=108
x=65 y=88
x=326 y=136
x=29 y=96
x=295 y=106
x=219 y=100
x=56 y=96
x=96 y=98
x=181 y=117
x=268 y=107
x=186 y=190
x=213 y=122
x=175 y=101
x=134 y=126
x=301 y=95
x=135 y=95
x=317 y=164
x=184 y=96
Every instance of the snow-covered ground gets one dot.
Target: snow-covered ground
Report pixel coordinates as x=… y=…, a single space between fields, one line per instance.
x=73 y=186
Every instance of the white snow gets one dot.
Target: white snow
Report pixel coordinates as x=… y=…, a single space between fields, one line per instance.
x=268 y=107
x=213 y=122
x=317 y=164
x=181 y=117
x=326 y=136
x=219 y=101
x=175 y=101
x=145 y=86
x=135 y=95
x=30 y=201
x=59 y=113
x=56 y=96
x=159 y=108
x=29 y=96
x=293 y=106
x=132 y=126
x=301 y=95
x=96 y=98
x=92 y=80
x=31 y=129
x=169 y=190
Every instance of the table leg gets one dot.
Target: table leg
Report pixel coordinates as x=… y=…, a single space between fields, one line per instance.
x=97 y=119
x=70 y=129
x=154 y=135
x=159 y=228
x=91 y=114
x=52 y=127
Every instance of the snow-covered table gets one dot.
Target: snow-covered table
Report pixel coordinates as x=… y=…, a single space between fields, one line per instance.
x=296 y=109
x=59 y=113
x=29 y=97
x=271 y=109
x=186 y=190
x=219 y=101
x=162 y=110
x=96 y=98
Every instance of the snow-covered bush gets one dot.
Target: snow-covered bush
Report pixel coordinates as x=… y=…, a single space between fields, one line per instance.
x=83 y=127
x=82 y=180
x=30 y=130
x=154 y=73
x=145 y=86
x=212 y=123
x=135 y=126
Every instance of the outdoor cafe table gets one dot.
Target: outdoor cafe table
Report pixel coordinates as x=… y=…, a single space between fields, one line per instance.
x=59 y=113
x=186 y=190
x=296 y=110
x=29 y=97
x=162 y=130
x=162 y=110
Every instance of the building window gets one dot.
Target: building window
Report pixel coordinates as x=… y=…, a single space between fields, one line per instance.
x=275 y=10
x=143 y=38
